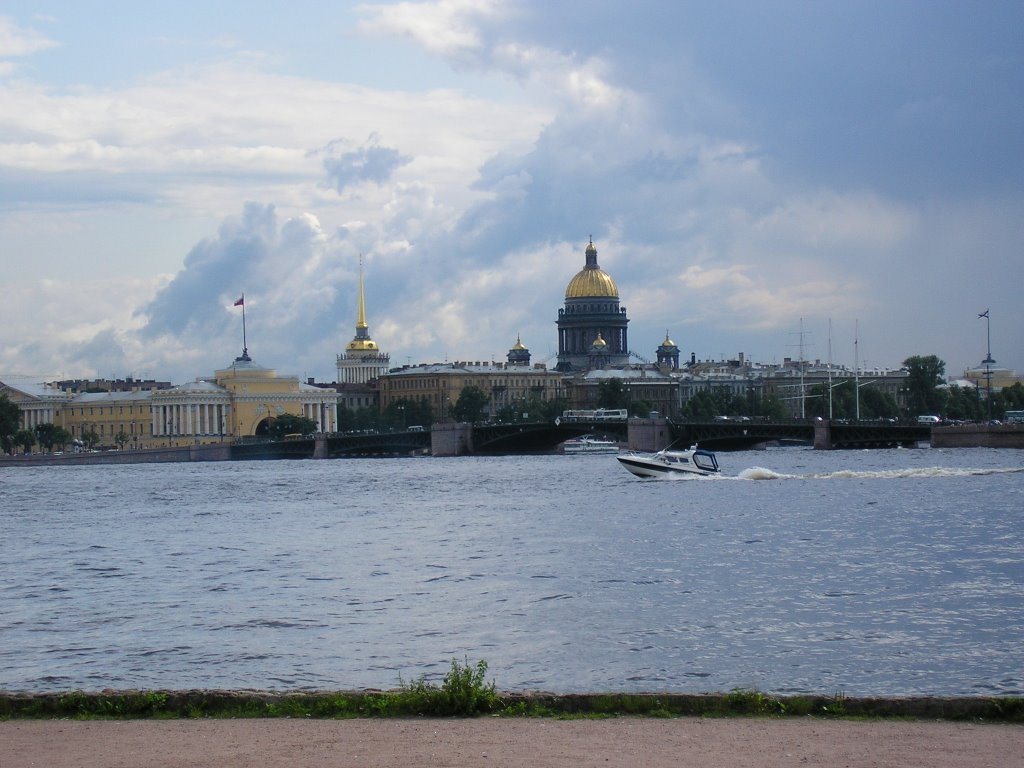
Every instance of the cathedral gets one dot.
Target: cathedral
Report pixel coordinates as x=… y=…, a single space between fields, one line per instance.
x=592 y=326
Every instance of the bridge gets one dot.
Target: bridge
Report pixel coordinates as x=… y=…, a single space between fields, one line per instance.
x=655 y=434
x=739 y=435
x=334 y=446
x=543 y=437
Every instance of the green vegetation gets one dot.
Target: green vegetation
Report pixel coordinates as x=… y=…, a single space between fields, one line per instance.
x=465 y=692
x=10 y=417
x=50 y=435
x=924 y=376
x=290 y=424
x=25 y=439
x=873 y=403
x=471 y=405
x=399 y=415
x=706 y=404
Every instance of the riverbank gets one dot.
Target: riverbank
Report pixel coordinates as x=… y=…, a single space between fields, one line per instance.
x=465 y=692
x=507 y=742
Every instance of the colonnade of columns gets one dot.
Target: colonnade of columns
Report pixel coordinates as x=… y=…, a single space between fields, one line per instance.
x=191 y=419
x=324 y=414
x=32 y=417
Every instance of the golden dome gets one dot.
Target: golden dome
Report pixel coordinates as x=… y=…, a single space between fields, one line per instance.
x=599 y=343
x=668 y=342
x=519 y=344
x=592 y=281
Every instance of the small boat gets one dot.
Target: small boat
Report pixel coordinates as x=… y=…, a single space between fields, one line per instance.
x=588 y=444
x=694 y=461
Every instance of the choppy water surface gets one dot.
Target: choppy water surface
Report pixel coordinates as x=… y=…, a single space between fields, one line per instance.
x=868 y=573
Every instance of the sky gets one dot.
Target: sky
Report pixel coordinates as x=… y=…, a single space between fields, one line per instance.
x=837 y=181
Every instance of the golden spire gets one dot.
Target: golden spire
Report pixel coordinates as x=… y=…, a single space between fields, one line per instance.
x=361 y=319
x=362 y=341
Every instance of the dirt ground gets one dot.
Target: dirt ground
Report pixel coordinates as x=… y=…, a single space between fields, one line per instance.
x=538 y=743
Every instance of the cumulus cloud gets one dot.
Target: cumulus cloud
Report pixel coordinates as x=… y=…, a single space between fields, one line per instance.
x=368 y=163
x=19 y=41
x=730 y=192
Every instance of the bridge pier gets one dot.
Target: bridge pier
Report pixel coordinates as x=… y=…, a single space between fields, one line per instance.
x=451 y=439
x=823 y=435
x=320 y=446
x=648 y=435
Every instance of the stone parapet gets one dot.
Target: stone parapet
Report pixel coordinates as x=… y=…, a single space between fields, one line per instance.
x=979 y=436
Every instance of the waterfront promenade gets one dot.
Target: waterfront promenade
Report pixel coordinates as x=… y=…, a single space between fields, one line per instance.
x=507 y=743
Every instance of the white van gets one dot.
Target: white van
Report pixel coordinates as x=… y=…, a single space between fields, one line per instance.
x=928 y=420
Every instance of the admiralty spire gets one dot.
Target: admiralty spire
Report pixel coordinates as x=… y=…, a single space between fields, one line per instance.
x=362 y=359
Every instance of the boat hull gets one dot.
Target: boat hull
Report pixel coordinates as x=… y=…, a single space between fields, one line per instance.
x=670 y=463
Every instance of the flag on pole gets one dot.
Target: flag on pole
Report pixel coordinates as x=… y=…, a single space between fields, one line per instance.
x=241 y=301
x=983 y=314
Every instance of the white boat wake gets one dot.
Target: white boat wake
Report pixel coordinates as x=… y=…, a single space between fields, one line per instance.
x=761 y=473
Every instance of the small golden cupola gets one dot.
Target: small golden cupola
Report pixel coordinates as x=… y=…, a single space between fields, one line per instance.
x=519 y=355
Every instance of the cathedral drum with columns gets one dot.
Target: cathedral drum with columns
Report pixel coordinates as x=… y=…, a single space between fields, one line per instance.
x=592 y=325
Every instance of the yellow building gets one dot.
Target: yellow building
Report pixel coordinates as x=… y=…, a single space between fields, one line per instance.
x=1001 y=377
x=441 y=384
x=239 y=401
x=236 y=402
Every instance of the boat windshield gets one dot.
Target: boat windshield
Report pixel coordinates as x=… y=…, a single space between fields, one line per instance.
x=705 y=461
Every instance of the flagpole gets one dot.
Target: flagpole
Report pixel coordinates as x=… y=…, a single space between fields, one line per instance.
x=245 y=344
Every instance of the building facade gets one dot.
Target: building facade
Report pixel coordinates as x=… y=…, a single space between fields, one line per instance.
x=236 y=402
x=440 y=384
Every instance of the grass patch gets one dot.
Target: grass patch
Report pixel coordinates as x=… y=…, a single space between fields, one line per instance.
x=466 y=692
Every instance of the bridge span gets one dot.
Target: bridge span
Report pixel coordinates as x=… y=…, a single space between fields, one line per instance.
x=655 y=434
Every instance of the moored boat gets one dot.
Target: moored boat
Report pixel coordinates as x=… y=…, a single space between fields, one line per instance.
x=694 y=461
x=588 y=444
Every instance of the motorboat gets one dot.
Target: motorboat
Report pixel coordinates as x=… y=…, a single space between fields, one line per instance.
x=589 y=444
x=665 y=463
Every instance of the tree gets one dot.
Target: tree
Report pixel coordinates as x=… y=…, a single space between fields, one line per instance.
x=90 y=438
x=641 y=408
x=612 y=394
x=24 y=439
x=290 y=424
x=924 y=376
x=46 y=435
x=470 y=405
x=121 y=438
x=10 y=416
x=875 y=404
x=407 y=412
x=771 y=408
x=701 y=407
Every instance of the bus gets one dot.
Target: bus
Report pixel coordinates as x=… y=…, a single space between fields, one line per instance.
x=1014 y=417
x=598 y=414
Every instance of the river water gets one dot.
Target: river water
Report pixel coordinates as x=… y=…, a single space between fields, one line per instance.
x=895 y=572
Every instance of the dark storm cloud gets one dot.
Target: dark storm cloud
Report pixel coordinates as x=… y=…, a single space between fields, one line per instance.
x=193 y=300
